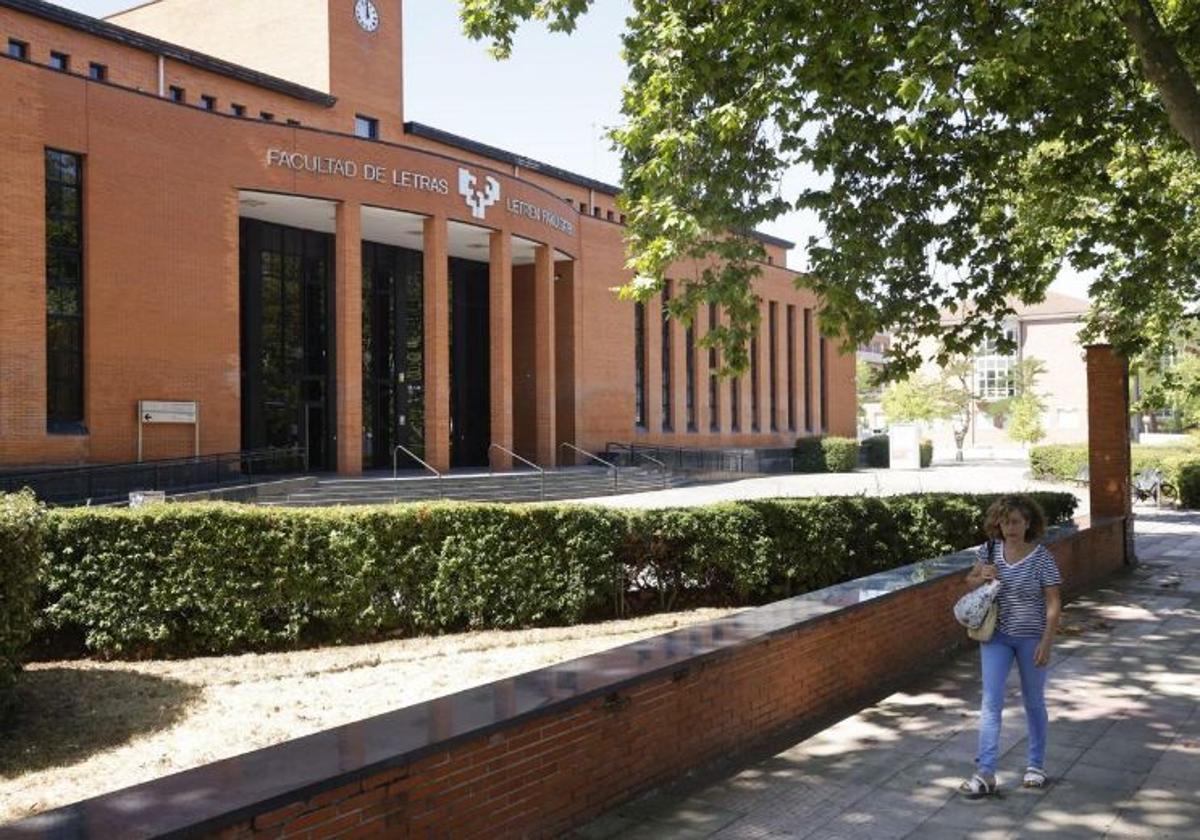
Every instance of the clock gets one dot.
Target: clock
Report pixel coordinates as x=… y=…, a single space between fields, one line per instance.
x=367 y=15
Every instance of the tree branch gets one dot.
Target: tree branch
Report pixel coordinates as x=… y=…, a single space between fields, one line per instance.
x=1164 y=69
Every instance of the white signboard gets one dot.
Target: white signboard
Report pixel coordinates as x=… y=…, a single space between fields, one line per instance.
x=168 y=411
x=158 y=411
x=904 y=446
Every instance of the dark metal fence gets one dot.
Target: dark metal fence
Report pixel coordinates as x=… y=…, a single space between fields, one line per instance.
x=108 y=483
x=689 y=459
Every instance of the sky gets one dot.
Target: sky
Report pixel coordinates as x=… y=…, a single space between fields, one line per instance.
x=552 y=101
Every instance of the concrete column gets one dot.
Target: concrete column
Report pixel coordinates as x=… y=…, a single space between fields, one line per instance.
x=437 y=344
x=654 y=415
x=348 y=337
x=1108 y=438
x=500 y=341
x=543 y=354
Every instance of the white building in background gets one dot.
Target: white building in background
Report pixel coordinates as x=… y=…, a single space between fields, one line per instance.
x=1048 y=331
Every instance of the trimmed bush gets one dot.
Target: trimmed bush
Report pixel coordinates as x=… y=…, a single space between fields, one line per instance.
x=21 y=530
x=926 y=453
x=1185 y=476
x=1063 y=462
x=876 y=451
x=218 y=578
x=829 y=454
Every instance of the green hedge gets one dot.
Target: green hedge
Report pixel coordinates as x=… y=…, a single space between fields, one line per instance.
x=21 y=531
x=827 y=454
x=1062 y=462
x=215 y=578
x=926 y=453
x=1185 y=476
x=876 y=451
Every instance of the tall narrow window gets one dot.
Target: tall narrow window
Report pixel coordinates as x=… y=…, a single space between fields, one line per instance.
x=714 y=409
x=690 y=373
x=639 y=364
x=773 y=363
x=754 y=421
x=824 y=384
x=735 y=404
x=667 y=361
x=808 y=425
x=791 y=368
x=64 y=291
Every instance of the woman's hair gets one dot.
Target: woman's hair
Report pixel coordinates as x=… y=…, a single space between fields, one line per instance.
x=1023 y=505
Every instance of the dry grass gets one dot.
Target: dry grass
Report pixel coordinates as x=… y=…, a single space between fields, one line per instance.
x=86 y=728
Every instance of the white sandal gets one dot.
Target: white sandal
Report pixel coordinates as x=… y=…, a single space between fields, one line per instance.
x=977 y=787
x=1035 y=777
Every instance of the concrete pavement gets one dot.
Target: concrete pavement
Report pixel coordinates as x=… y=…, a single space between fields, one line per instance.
x=1124 y=739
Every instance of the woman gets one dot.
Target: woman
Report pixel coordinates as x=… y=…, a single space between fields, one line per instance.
x=1029 y=605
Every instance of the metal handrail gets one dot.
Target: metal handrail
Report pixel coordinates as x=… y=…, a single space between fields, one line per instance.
x=396 y=467
x=616 y=470
x=525 y=461
x=634 y=453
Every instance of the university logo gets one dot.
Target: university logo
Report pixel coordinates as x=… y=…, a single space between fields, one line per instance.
x=478 y=201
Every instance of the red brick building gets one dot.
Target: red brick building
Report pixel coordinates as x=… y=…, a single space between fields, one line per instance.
x=229 y=209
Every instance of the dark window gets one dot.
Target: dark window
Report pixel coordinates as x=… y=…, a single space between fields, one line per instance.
x=366 y=127
x=639 y=364
x=596 y=212
x=60 y=61
x=791 y=367
x=97 y=72
x=18 y=49
x=690 y=373
x=237 y=110
x=754 y=423
x=622 y=218
x=714 y=409
x=667 y=361
x=177 y=94
x=823 y=352
x=773 y=362
x=293 y=122
x=608 y=214
x=266 y=116
x=808 y=426
x=735 y=404
x=64 y=291
x=208 y=103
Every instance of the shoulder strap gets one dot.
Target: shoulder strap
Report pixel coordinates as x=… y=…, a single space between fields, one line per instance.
x=991 y=552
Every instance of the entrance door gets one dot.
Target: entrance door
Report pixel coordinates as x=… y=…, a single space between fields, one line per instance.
x=314 y=433
x=470 y=380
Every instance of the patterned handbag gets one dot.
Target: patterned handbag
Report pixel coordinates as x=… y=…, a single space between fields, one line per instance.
x=977 y=609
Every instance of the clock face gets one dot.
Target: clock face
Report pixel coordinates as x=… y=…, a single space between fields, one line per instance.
x=367 y=15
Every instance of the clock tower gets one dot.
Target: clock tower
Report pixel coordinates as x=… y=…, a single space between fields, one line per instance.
x=366 y=62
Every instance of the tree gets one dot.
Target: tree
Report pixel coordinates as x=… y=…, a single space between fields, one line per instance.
x=966 y=149
x=1027 y=406
x=1172 y=381
x=917 y=399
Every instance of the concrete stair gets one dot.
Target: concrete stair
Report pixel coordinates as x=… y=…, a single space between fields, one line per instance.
x=517 y=486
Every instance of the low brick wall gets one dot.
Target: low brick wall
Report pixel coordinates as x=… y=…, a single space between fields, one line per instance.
x=537 y=754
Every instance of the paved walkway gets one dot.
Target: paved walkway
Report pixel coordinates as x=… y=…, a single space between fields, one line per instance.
x=1123 y=755
x=967 y=477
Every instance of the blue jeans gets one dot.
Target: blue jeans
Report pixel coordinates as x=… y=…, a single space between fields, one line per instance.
x=996 y=656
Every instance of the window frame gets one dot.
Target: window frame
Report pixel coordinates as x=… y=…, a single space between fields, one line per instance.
x=367 y=124
x=17 y=49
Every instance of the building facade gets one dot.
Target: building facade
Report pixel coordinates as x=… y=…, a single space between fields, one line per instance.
x=1047 y=332
x=228 y=209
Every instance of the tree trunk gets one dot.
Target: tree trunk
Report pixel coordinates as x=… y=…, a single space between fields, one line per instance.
x=1164 y=69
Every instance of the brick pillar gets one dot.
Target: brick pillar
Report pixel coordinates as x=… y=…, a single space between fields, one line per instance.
x=348 y=337
x=500 y=341
x=543 y=354
x=1108 y=438
x=679 y=377
x=437 y=344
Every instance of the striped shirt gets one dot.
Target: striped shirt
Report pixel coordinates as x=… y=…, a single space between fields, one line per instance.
x=1022 y=597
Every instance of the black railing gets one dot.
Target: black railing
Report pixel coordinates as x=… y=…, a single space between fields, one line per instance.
x=106 y=483
x=695 y=459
